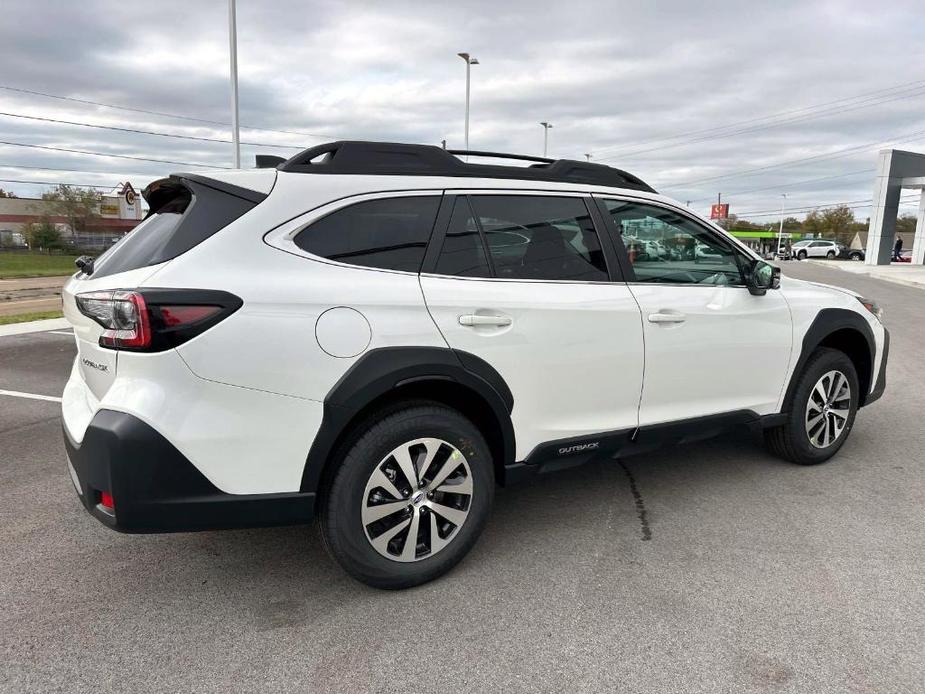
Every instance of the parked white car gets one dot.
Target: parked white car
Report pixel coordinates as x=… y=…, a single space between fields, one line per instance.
x=815 y=248
x=377 y=334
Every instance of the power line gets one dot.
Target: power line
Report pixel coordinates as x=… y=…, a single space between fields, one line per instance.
x=851 y=204
x=918 y=134
x=701 y=131
x=791 y=185
x=143 y=132
x=789 y=121
x=119 y=156
x=56 y=183
x=163 y=114
x=52 y=168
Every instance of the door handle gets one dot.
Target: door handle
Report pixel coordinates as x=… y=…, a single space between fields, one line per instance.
x=475 y=319
x=667 y=317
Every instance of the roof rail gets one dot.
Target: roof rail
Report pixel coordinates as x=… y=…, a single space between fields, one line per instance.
x=392 y=158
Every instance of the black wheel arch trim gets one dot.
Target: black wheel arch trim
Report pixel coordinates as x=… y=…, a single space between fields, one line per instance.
x=827 y=322
x=384 y=369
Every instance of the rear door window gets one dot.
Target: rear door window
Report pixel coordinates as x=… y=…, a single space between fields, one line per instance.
x=386 y=233
x=463 y=253
x=540 y=237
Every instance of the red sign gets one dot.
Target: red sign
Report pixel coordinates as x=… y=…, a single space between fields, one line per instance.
x=719 y=210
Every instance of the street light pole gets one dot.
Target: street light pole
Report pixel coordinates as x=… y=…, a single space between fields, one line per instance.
x=470 y=61
x=546 y=127
x=588 y=156
x=780 y=230
x=233 y=45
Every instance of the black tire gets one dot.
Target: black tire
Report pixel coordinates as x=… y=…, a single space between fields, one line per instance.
x=854 y=256
x=801 y=255
x=830 y=255
x=791 y=440
x=342 y=503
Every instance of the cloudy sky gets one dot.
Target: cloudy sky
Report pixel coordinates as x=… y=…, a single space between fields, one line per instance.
x=744 y=98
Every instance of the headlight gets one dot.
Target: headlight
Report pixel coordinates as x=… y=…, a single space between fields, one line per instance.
x=873 y=307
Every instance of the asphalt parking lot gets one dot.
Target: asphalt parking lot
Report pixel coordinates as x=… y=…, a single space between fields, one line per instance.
x=749 y=574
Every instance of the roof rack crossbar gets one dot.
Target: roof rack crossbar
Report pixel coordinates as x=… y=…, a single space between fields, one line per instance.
x=399 y=159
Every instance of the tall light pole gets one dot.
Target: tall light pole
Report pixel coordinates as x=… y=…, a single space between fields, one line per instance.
x=546 y=127
x=233 y=45
x=470 y=61
x=780 y=230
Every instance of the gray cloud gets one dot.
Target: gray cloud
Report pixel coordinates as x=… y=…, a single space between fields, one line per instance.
x=614 y=78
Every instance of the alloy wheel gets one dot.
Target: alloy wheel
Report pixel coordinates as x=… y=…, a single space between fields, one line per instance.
x=827 y=409
x=417 y=499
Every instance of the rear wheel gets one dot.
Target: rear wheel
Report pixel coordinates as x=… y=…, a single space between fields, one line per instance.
x=410 y=498
x=830 y=255
x=821 y=412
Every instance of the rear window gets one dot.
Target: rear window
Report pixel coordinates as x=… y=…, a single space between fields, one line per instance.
x=388 y=233
x=183 y=216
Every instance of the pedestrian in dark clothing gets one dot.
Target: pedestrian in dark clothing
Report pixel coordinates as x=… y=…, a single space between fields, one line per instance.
x=898 y=249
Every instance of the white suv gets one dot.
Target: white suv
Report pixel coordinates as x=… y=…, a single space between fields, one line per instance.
x=377 y=334
x=816 y=248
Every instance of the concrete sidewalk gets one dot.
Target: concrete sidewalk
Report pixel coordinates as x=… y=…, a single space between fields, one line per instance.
x=900 y=273
x=35 y=326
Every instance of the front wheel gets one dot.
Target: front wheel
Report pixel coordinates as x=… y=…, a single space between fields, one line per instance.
x=822 y=410
x=410 y=497
x=855 y=256
x=801 y=255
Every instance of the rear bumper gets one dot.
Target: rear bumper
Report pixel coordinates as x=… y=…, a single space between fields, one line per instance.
x=156 y=489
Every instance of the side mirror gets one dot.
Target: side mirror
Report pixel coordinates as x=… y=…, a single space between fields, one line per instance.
x=763 y=276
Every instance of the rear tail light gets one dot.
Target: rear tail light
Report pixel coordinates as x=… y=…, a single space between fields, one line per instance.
x=123 y=314
x=106 y=500
x=152 y=320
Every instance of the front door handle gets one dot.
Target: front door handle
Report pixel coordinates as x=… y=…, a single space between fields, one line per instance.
x=667 y=317
x=475 y=319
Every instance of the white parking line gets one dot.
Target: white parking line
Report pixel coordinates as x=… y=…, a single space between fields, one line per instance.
x=30 y=396
x=61 y=332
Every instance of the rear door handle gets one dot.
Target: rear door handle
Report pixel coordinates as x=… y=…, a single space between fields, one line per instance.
x=667 y=317
x=475 y=319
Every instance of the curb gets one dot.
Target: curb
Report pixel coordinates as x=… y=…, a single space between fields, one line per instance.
x=35 y=326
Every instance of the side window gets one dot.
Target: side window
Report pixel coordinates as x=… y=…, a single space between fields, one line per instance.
x=666 y=247
x=539 y=237
x=463 y=252
x=389 y=233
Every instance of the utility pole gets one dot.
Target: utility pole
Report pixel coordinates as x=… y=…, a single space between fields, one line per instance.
x=780 y=230
x=546 y=127
x=233 y=45
x=588 y=156
x=470 y=61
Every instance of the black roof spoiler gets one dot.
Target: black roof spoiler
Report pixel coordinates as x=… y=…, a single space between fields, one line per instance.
x=393 y=158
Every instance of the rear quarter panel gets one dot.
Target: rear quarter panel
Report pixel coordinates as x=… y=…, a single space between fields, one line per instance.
x=270 y=343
